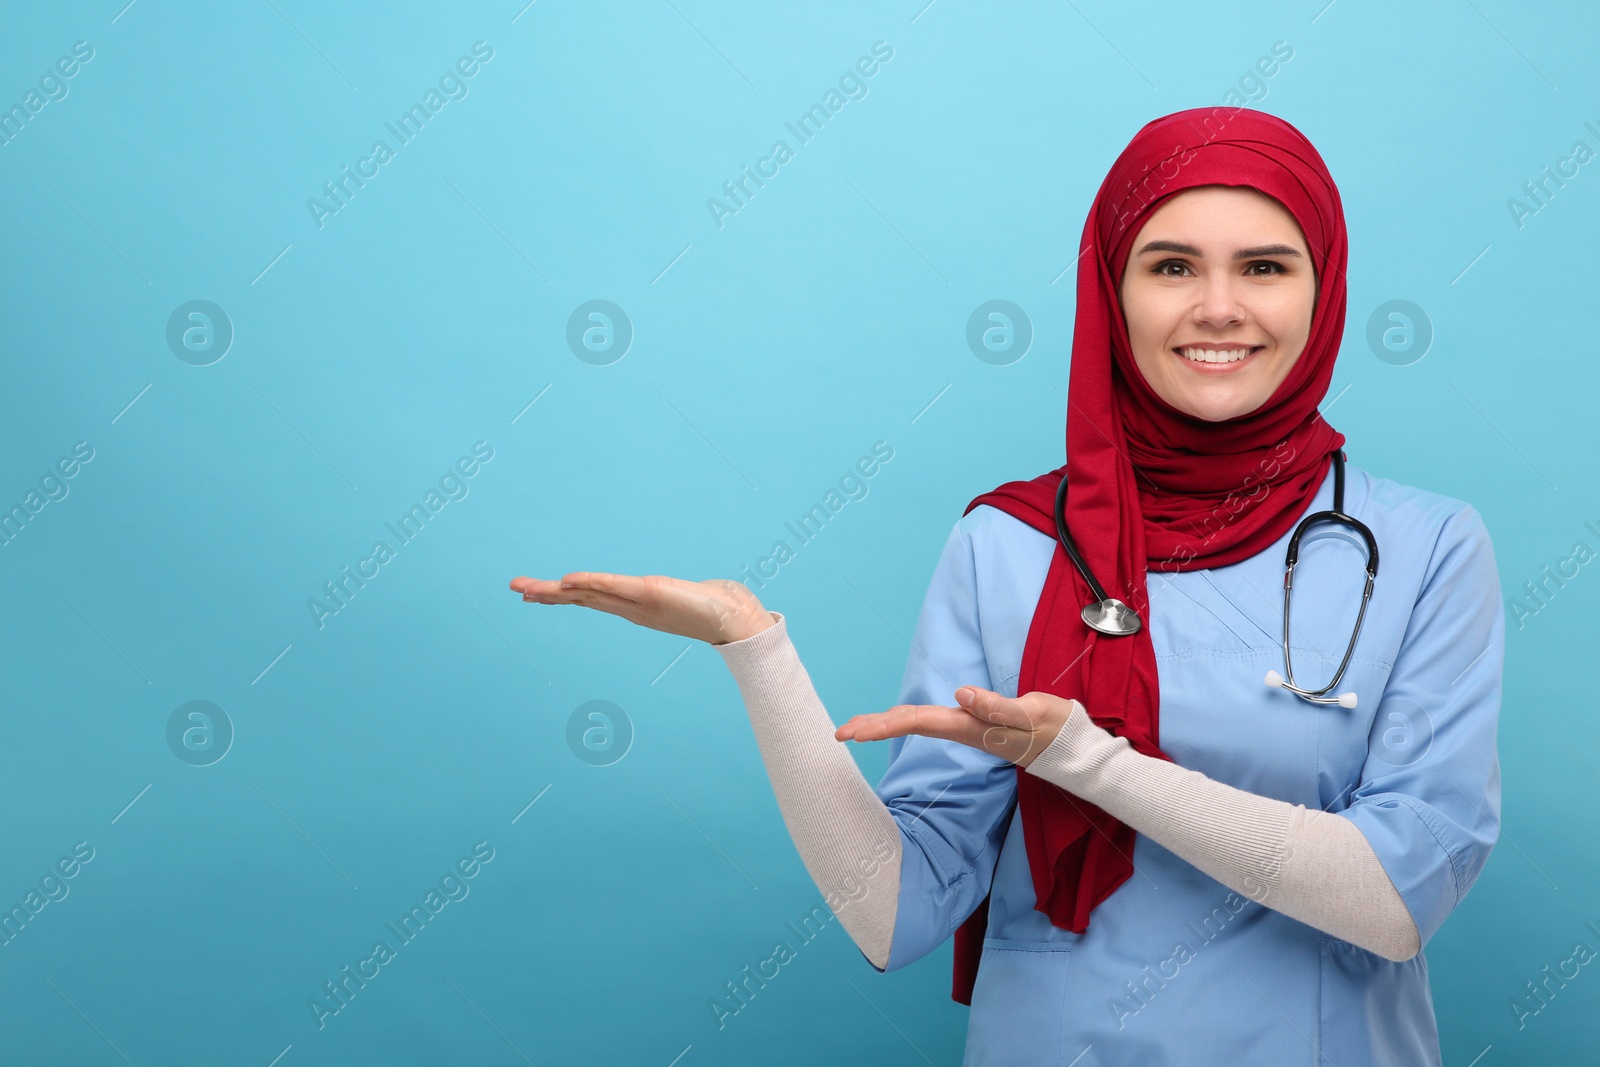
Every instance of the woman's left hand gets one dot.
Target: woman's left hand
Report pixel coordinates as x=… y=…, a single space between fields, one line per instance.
x=1014 y=729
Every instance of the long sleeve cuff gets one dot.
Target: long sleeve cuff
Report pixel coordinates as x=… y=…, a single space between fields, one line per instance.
x=1310 y=865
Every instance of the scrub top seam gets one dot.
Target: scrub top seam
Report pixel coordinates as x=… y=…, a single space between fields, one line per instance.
x=1234 y=653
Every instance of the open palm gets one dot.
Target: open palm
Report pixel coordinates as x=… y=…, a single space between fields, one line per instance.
x=716 y=611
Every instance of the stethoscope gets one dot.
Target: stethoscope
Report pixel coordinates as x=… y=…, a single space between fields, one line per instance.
x=1113 y=618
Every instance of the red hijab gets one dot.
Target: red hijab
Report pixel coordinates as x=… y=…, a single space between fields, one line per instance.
x=1152 y=487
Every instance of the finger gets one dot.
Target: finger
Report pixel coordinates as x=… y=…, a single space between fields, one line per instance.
x=927 y=720
x=550 y=586
x=991 y=707
x=535 y=587
x=589 y=598
x=630 y=586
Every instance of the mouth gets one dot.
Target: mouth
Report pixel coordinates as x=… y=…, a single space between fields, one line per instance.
x=1217 y=359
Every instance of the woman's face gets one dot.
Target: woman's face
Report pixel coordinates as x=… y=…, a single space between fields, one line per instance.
x=1216 y=272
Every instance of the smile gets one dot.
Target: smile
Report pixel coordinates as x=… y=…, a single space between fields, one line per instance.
x=1216 y=359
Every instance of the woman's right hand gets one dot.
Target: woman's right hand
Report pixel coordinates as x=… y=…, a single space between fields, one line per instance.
x=716 y=611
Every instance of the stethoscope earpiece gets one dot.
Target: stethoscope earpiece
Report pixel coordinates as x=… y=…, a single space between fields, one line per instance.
x=1345 y=700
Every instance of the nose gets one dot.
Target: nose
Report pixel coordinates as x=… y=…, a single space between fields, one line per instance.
x=1218 y=303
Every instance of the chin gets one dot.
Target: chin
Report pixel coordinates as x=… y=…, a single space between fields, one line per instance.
x=1214 y=411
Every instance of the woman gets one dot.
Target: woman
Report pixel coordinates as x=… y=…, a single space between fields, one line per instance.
x=1145 y=854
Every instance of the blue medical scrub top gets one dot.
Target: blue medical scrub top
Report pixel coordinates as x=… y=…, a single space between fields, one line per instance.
x=1175 y=968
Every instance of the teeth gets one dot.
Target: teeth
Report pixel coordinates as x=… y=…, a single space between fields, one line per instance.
x=1206 y=355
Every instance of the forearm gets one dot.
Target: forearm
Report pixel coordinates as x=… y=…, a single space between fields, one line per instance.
x=1310 y=865
x=847 y=838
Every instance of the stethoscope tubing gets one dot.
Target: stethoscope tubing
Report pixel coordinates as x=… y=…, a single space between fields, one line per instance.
x=1115 y=619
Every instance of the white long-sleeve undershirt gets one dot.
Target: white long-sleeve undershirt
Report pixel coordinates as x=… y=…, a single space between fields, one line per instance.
x=1313 y=866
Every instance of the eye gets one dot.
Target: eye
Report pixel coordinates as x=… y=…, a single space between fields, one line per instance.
x=1160 y=269
x=1276 y=268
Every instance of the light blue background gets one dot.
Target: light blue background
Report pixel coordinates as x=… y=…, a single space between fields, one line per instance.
x=768 y=356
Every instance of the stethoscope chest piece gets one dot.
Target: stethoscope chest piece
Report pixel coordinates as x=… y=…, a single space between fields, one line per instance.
x=1111 y=617
x=1106 y=614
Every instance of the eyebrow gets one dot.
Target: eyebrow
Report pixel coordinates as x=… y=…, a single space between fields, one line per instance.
x=1243 y=253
